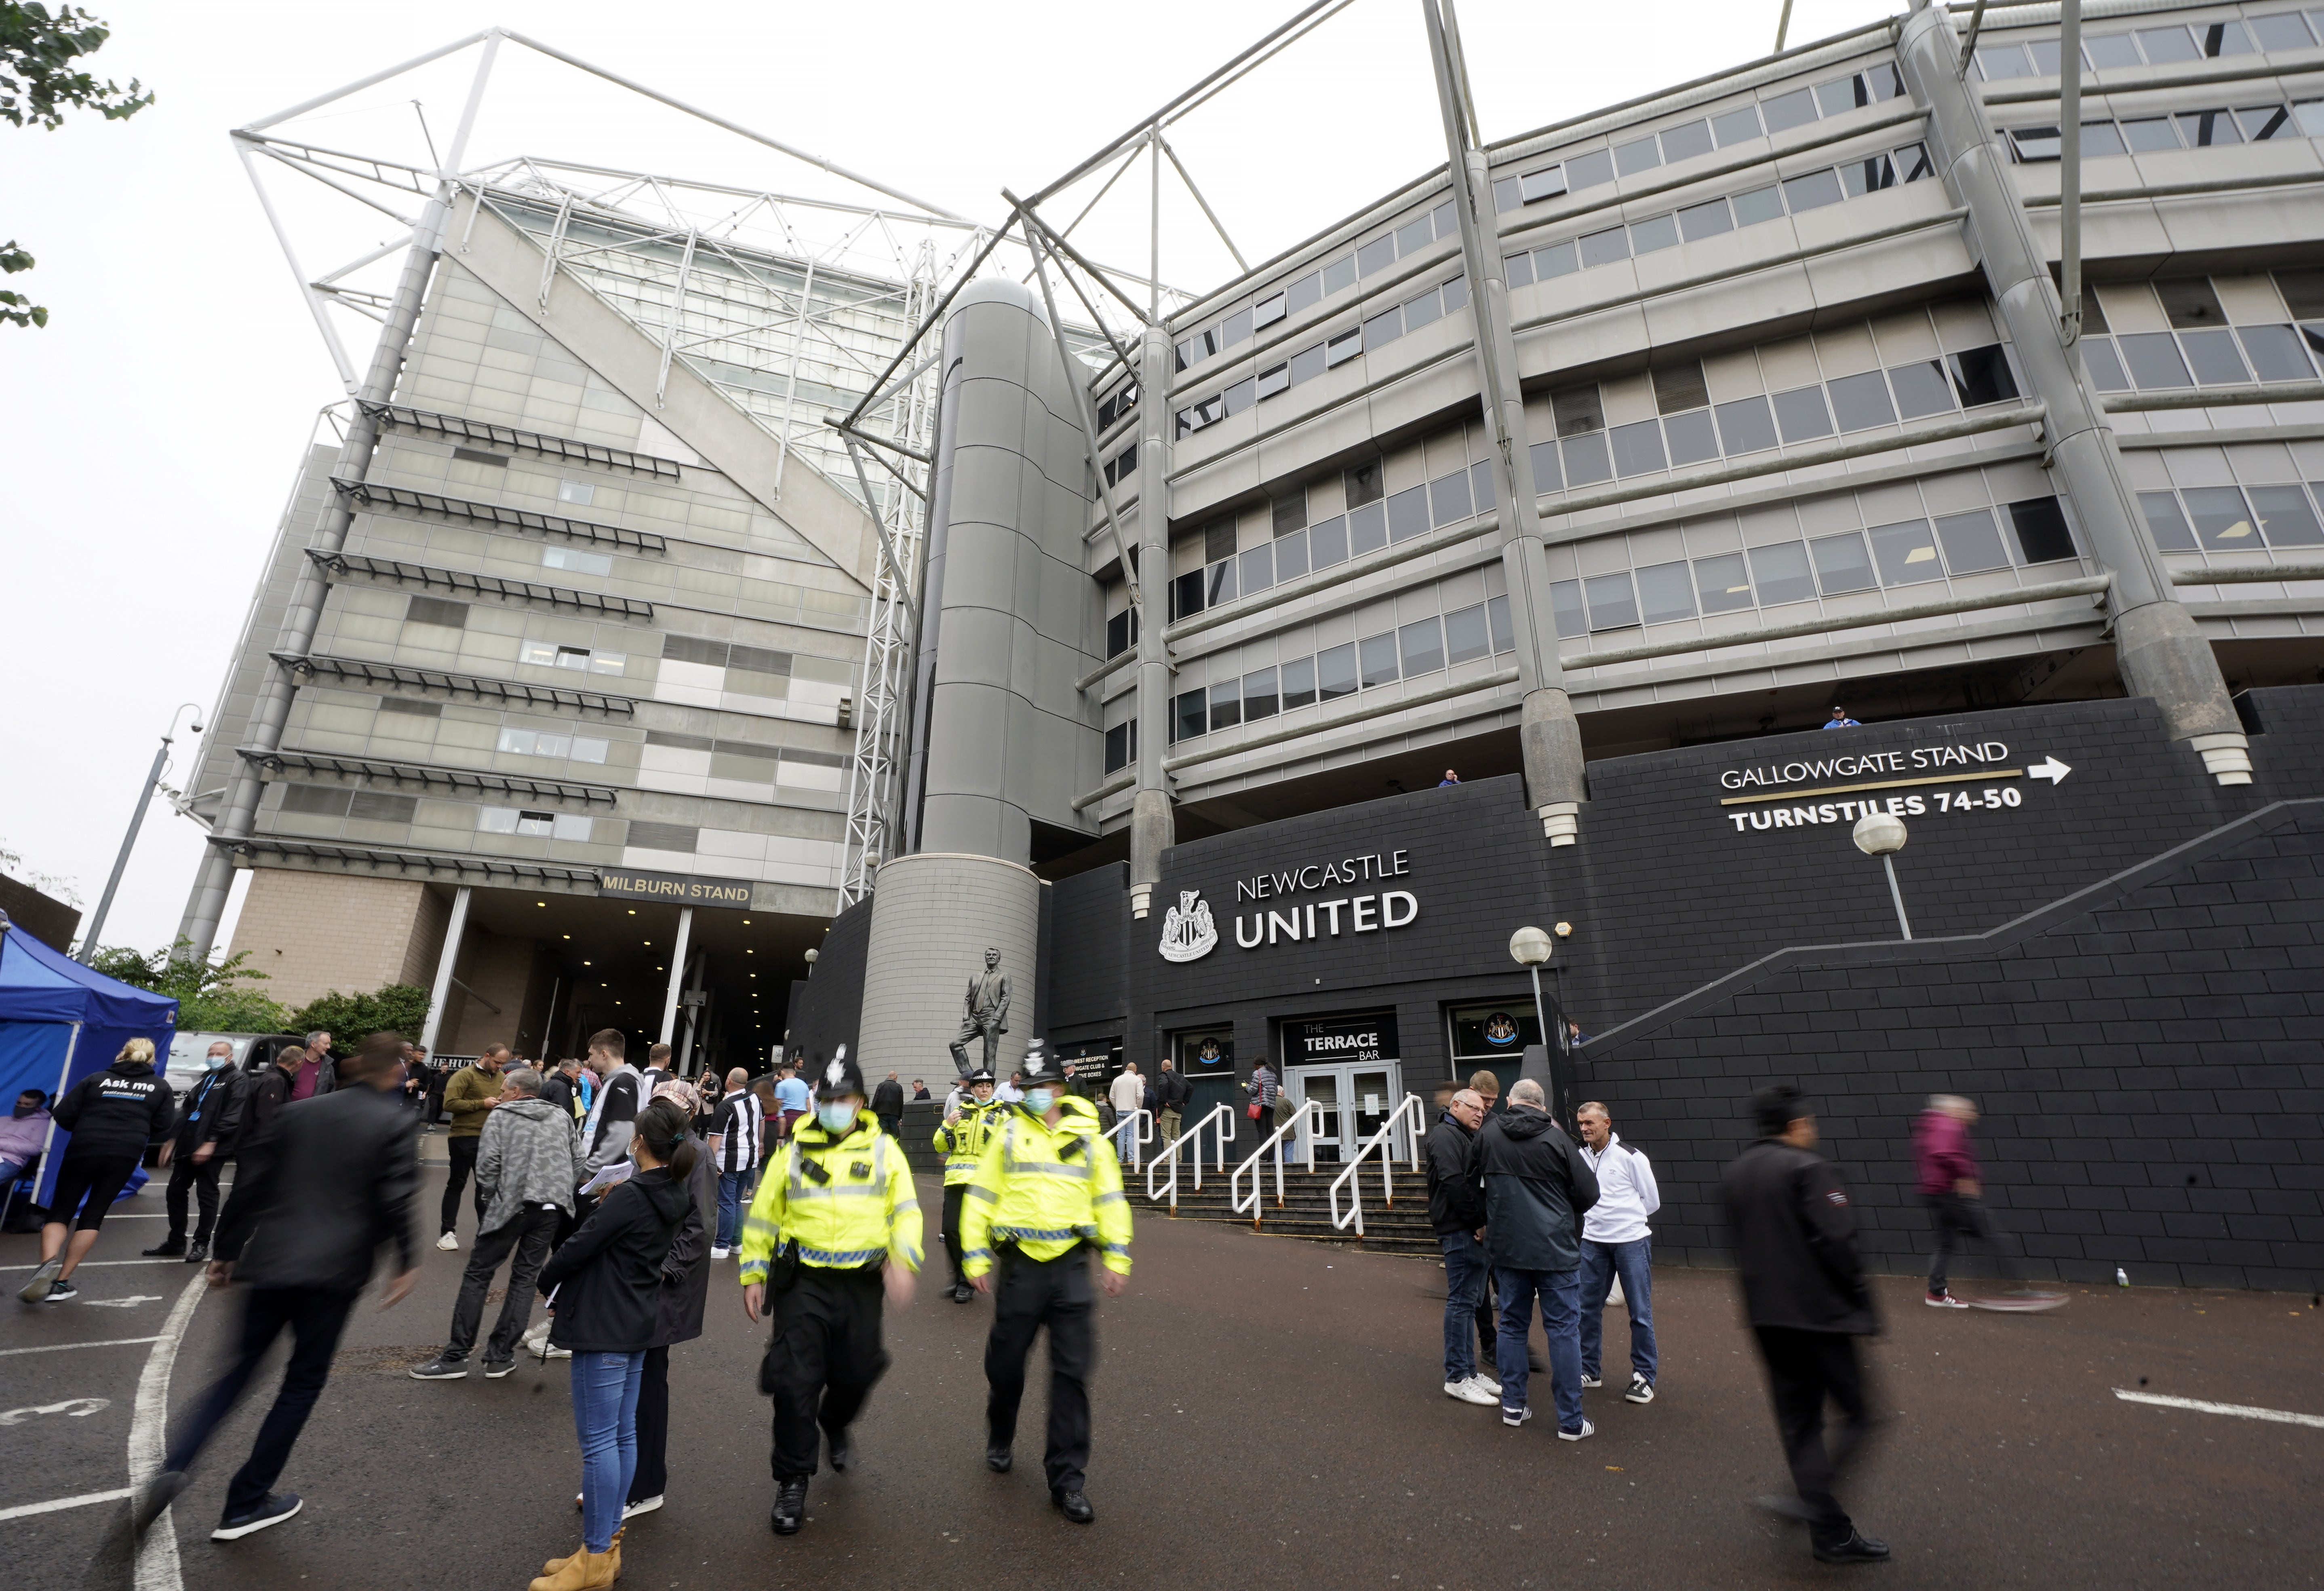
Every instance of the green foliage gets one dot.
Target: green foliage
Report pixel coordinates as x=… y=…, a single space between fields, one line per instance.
x=211 y=997
x=350 y=1019
x=38 y=85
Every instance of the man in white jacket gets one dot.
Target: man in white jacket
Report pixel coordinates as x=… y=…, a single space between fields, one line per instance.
x=1616 y=1241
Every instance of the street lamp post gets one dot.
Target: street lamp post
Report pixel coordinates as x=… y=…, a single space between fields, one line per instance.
x=1882 y=835
x=1529 y=947
x=89 y=943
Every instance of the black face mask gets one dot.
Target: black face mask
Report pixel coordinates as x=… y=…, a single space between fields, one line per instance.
x=24 y=1109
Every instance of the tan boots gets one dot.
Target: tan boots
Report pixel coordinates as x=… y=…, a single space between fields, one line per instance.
x=583 y=1571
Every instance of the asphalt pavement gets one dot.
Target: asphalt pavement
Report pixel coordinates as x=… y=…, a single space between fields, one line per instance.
x=1268 y=1412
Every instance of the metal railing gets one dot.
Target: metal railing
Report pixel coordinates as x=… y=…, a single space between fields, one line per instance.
x=1241 y=1202
x=1382 y=1140
x=1142 y=1120
x=1222 y=1117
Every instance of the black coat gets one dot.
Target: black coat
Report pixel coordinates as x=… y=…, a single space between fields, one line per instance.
x=557 y=1089
x=1172 y=1088
x=1537 y=1187
x=1794 y=1235
x=214 y=1110
x=331 y=1179
x=607 y=1276
x=270 y=1091
x=1456 y=1197
x=685 y=1269
x=888 y=1099
x=116 y=1111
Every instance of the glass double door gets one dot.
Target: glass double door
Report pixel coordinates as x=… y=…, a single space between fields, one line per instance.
x=1353 y=1101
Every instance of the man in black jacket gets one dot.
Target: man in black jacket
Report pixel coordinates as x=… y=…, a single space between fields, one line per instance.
x=315 y=1199
x=1804 y=1290
x=1171 y=1092
x=1456 y=1209
x=888 y=1105
x=1537 y=1187
x=209 y=1120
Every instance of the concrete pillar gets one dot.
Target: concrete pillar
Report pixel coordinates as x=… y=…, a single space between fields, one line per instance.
x=1153 y=824
x=933 y=917
x=677 y=975
x=441 y=990
x=2158 y=649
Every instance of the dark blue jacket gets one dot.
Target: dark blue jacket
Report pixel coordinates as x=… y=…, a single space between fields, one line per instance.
x=1537 y=1187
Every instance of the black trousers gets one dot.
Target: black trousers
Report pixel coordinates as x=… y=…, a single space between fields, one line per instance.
x=892 y=1126
x=464 y=1161
x=827 y=1358
x=89 y=1183
x=203 y=1180
x=651 y=1478
x=528 y=1238
x=953 y=1193
x=1956 y=1219
x=314 y=1319
x=1804 y=1368
x=1027 y=1295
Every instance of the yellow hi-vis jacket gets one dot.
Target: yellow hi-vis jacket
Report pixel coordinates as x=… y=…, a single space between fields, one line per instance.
x=1045 y=1190
x=846 y=1201
x=961 y=1143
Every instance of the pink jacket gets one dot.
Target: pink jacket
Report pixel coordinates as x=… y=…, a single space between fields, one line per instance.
x=23 y=1137
x=1941 y=1150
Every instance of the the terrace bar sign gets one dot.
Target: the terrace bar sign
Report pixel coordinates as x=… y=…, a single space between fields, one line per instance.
x=679 y=890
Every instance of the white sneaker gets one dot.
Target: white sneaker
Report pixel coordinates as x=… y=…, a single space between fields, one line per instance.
x=447 y=1243
x=1486 y=1382
x=1468 y=1391
x=1642 y=1390
x=1586 y=1432
x=1516 y=1416
x=644 y=1505
x=719 y=1253
x=1589 y=1380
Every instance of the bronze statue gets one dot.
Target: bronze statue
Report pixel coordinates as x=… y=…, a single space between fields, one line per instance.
x=985 y=1011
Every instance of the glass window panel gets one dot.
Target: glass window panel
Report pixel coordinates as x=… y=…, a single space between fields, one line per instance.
x=1497 y=613
x=1842 y=94
x=1221 y=584
x=2046 y=56
x=2042 y=533
x=1443 y=218
x=1291 y=556
x=1760 y=204
x=1666 y=593
x=1258 y=571
x=1259 y=696
x=1613 y=605
x=1421 y=646
x=1921 y=389
x=1189 y=353
x=1226 y=704
x=1686 y=141
x=1914 y=161
x=1973 y=542
x=1481 y=486
x=1585 y=460
x=1518 y=269
x=1745 y=426
x=1407 y=513
x=1307 y=364
x=1186 y=595
x=2189 y=303
x=2221 y=518
x=1191 y=719
x=1546 y=183
x=1861 y=401
x=2285 y=516
x=2154 y=360
x=2276 y=353
x=1546 y=476
x=1419 y=312
x=1656 y=232
x=2166 y=523
x=1448 y=499
x=1722 y=582
x=1906 y=552
x=1116 y=748
x=1376 y=654
x=1219 y=539
x=1639 y=155
x=495 y=820
x=1735 y=126
x=1578 y=409
x=1456 y=294
x=2003 y=60
x=1268 y=310
x=2144 y=134
x=1801 y=415
x=1842 y=564
x=1679 y=387
x=1639 y=448
x=2260 y=122
x=2167 y=44
x=1367 y=530
x=1273 y=379
x=1868 y=175
x=1234 y=328
x=2303 y=292
x=587 y=748
x=2283 y=30
x=1692 y=439
x=1414 y=236
x=551 y=746
x=2106 y=365
x=1789 y=110
x=1467 y=635
x=1383 y=329
x=1340 y=273
x=1705 y=220
x=1603 y=248
x=2225 y=38
x=1565 y=608
x=2035 y=143
x=2214 y=356
x=1588 y=170
x=1981 y=375
x=1559 y=259
x=609 y=662
x=1811 y=192
x=1343 y=346
x=1327 y=544
x=2205 y=129
x=1375 y=255
x=1781 y=573
x=1117 y=634
x=2111 y=50
x=2100 y=140
x=1298 y=683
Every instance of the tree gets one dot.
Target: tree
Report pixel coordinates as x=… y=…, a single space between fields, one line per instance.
x=38 y=85
x=350 y=1019
x=210 y=996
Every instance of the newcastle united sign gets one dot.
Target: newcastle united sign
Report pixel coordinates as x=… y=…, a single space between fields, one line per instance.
x=1190 y=931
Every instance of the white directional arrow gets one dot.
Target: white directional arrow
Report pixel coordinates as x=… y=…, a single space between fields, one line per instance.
x=2051 y=769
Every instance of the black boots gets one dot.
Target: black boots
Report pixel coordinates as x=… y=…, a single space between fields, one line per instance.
x=790 y=1507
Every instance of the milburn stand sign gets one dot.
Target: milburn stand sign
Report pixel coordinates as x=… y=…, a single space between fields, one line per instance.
x=684 y=891
x=1788 y=795
x=1189 y=932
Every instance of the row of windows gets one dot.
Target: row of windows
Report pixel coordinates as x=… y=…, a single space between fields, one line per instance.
x=1319 y=284
x=548 y=824
x=2218 y=519
x=1689 y=139
x=1372 y=332
x=576 y=561
x=1115 y=404
x=2201 y=348
x=1409 y=651
x=553 y=743
x=1809 y=192
x=551 y=655
x=2162 y=46
x=1906 y=553
x=2183 y=129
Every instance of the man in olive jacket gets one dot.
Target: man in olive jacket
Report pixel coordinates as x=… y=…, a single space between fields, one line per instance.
x=1804 y=1290
x=473 y=1094
x=1537 y=1187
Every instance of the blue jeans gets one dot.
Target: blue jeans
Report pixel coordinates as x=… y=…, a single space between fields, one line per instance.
x=1601 y=1263
x=1561 y=1299
x=605 y=1418
x=1464 y=1283
x=734 y=1197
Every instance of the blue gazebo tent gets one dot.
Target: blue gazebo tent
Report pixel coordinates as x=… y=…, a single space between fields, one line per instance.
x=60 y=1021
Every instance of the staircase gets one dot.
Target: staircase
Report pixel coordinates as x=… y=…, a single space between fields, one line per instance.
x=1307 y=1208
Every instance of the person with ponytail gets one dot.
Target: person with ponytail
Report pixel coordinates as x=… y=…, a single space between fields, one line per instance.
x=604 y=1289
x=685 y=1296
x=112 y=1115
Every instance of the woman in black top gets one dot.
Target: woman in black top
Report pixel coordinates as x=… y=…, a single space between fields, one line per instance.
x=685 y=1293
x=605 y=1299
x=111 y=1116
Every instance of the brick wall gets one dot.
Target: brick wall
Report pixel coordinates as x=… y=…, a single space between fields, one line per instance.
x=311 y=933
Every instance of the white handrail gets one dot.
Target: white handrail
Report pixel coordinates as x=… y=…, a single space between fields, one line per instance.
x=1223 y=1114
x=1257 y=1172
x=1143 y=1121
x=1410 y=1106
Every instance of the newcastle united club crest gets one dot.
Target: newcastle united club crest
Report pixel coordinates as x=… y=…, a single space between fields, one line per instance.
x=1188 y=933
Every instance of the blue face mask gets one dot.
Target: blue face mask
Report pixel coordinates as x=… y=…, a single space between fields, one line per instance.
x=214 y=1062
x=835 y=1117
x=1040 y=1101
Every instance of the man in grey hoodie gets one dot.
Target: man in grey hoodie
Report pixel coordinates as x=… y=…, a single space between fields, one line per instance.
x=528 y=1159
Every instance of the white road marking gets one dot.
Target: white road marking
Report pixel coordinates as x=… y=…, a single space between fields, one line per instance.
x=133 y=1299
x=87 y=1264
x=157 y=1561
x=73 y=1408
x=110 y=1342
x=2242 y=1411
x=23 y=1510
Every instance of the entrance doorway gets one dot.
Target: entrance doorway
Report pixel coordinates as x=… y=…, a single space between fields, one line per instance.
x=1351 y=1100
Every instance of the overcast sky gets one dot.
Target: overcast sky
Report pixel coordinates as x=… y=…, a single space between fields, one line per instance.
x=150 y=432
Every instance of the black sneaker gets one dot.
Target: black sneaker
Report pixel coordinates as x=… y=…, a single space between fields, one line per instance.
x=1074 y=1506
x=272 y=1509
x=790 y=1508
x=199 y=1254
x=843 y=1452
x=1642 y=1390
x=496 y=1368
x=999 y=1459
x=61 y=1292
x=441 y=1369
x=1858 y=1547
x=169 y=1248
